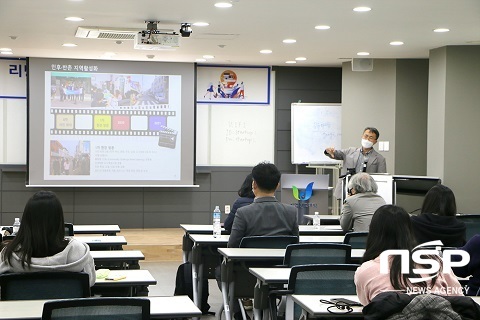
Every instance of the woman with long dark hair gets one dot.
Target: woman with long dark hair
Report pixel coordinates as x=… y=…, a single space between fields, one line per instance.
x=438 y=221
x=391 y=229
x=246 y=197
x=40 y=244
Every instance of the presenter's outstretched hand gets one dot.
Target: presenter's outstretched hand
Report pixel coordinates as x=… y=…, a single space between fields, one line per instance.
x=331 y=151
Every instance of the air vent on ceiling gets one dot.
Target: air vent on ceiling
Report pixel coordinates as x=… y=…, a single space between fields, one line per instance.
x=216 y=36
x=106 y=33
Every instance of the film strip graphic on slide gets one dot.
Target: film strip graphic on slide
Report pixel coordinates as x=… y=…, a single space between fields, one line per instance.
x=115 y=123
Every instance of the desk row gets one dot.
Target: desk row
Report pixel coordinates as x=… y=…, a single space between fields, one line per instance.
x=160 y=308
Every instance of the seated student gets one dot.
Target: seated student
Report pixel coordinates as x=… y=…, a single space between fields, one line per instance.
x=266 y=216
x=359 y=206
x=437 y=220
x=246 y=197
x=472 y=269
x=391 y=228
x=40 y=244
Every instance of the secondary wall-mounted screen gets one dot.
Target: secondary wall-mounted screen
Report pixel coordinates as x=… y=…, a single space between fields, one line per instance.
x=110 y=123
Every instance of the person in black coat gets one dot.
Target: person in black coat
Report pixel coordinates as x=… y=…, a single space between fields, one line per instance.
x=438 y=219
x=246 y=197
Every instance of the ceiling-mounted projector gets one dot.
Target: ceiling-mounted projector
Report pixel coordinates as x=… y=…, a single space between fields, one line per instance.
x=147 y=40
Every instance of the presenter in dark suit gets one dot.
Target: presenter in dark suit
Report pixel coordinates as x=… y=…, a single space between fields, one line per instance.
x=266 y=216
x=363 y=159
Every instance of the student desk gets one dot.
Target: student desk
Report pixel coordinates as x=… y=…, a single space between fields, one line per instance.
x=207 y=229
x=205 y=257
x=106 y=229
x=313 y=308
x=136 y=280
x=160 y=308
x=303 y=229
x=276 y=278
x=103 y=242
x=204 y=253
x=187 y=243
x=238 y=256
x=123 y=259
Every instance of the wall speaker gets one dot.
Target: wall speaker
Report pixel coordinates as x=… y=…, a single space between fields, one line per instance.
x=362 y=64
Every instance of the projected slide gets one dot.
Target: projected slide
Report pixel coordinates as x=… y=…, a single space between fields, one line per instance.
x=110 y=123
x=112 y=126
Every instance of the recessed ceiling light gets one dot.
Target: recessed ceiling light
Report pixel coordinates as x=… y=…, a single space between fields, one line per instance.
x=5 y=49
x=200 y=60
x=74 y=19
x=266 y=51
x=363 y=53
x=301 y=59
x=322 y=27
x=6 y=52
x=207 y=56
x=69 y=45
x=441 y=30
x=200 y=24
x=396 y=43
x=291 y=61
x=362 y=9
x=289 y=41
x=223 y=5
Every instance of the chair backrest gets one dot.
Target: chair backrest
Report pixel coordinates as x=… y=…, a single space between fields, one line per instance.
x=69 y=230
x=317 y=253
x=270 y=242
x=472 y=222
x=97 y=309
x=44 y=285
x=358 y=240
x=322 y=279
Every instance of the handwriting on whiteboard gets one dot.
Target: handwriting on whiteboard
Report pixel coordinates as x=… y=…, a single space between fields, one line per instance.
x=239 y=132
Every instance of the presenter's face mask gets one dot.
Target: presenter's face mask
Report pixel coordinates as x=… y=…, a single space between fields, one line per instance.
x=367 y=144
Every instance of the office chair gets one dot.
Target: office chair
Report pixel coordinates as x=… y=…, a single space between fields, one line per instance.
x=316 y=253
x=321 y=279
x=311 y=253
x=358 y=240
x=269 y=242
x=472 y=222
x=69 y=230
x=97 y=309
x=44 y=285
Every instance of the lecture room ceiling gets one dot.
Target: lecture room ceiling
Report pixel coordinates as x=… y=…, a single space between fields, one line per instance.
x=236 y=35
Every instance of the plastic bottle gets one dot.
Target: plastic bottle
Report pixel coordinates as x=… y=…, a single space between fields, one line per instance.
x=16 y=226
x=316 y=220
x=217 y=228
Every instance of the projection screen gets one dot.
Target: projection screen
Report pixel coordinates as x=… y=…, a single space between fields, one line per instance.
x=110 y=123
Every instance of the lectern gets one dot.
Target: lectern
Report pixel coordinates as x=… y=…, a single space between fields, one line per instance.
x=307 y=192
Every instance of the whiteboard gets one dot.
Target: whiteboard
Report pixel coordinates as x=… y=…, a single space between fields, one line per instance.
x=230 y=135
x=236 y=135
x=315 y=126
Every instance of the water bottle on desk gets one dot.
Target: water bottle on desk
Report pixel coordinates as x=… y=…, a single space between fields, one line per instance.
x=16 y=226
x=316 y=220
x=217 y=228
